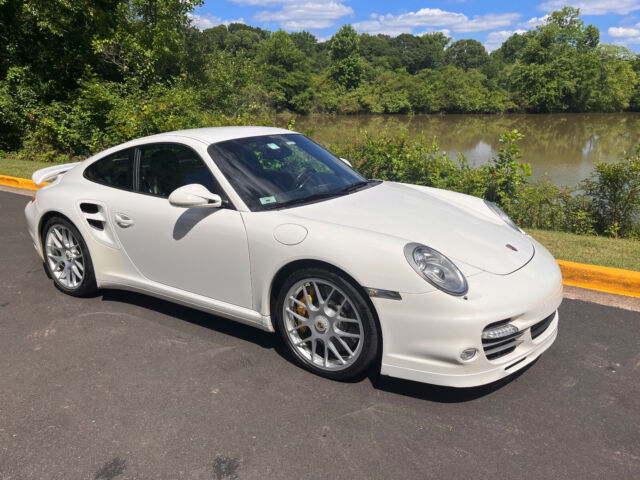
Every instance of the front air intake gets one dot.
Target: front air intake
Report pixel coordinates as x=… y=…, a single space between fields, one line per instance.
x=539 y=328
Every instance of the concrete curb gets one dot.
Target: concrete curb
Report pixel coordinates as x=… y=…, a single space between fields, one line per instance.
x=603 y=279
x=19 y=182
x=592 y=277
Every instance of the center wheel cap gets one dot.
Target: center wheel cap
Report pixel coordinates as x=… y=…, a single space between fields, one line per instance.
x=321 y=324
x=67 y=254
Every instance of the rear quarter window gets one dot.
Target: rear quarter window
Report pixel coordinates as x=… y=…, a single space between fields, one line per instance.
x=115 y=170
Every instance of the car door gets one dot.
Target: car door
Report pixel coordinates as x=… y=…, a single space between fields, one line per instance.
x=200 y=250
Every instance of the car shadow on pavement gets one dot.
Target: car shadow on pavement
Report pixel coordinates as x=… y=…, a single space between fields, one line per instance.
x=432 y=393
x=193 y=316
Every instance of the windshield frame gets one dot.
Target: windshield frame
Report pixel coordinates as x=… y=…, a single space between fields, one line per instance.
x=219 y=155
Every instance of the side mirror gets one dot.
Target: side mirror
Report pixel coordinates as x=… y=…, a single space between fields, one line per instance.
x=346 y=161
x=194 y=195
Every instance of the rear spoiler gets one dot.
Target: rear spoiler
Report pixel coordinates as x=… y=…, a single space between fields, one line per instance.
x=51 y=173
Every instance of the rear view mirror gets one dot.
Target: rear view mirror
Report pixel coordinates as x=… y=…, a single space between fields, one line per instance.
x=194 y=195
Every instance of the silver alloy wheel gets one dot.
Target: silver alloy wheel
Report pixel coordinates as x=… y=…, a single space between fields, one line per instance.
x=322 y=324
x=64 y=256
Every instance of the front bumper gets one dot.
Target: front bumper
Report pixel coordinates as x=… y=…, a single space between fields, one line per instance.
x=424 y=334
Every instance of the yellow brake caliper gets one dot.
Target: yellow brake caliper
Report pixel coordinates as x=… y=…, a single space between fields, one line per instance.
x=303 y=311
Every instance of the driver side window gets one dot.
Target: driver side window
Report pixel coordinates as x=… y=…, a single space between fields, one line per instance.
x=165 y=167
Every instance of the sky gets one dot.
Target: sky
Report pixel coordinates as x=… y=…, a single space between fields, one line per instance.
x=490 y=22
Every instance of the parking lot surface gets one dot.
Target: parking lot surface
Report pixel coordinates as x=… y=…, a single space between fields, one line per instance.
x=124 y=386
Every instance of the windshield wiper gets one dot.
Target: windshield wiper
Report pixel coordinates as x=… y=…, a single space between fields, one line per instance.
x=354 y=186
x=319 y=196
x=310 y=198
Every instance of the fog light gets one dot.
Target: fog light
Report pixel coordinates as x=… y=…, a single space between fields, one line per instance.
x=468 y=354
x=499 y=332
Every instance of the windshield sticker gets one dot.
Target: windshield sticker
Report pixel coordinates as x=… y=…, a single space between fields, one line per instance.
x=291 y=142
x=273 y=146
x=267 y=200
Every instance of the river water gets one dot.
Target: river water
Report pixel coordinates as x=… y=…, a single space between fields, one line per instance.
x=562 y=146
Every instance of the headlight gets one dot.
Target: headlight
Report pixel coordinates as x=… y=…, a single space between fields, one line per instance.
x=436 y=269
x=505 y=218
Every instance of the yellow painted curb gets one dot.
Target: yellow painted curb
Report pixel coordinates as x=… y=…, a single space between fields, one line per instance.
x=604 y=279
x=19 y=182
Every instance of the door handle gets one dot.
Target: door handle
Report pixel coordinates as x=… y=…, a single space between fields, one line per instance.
x=123 y=220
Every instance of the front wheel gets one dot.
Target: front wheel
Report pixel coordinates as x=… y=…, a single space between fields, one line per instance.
x=326 y=324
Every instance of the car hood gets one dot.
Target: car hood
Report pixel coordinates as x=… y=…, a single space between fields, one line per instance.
x=459 y=226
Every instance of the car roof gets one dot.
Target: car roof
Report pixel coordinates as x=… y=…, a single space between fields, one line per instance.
x=220 y=134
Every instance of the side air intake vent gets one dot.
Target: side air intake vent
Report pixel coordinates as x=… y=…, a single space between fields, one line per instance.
x=96 y=224
x=89 y=207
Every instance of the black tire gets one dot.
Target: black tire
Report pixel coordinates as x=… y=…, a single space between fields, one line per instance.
x=88 y=284
x=370 y=334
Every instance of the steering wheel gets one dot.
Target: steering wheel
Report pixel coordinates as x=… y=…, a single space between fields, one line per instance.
x=303 y=178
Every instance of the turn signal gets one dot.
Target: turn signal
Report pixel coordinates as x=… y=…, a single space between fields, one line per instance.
x=499 y=332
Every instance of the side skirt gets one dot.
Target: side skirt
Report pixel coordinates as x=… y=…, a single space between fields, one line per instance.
x=243 y=315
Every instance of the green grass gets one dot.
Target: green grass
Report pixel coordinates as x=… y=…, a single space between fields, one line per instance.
x=17 y=167
x=608 y=252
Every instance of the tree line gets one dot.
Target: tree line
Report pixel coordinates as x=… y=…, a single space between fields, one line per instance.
x=76 y=77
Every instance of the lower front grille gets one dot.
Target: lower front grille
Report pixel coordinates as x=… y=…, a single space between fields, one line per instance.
x=499 y=347
x=539 y=328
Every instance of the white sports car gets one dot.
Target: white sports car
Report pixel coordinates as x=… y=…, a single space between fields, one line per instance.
x=263 y=226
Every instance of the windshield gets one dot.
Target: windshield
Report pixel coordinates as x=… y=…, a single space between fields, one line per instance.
x=274 y=171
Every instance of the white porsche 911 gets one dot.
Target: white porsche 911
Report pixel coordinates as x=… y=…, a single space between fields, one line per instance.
x=263 y=226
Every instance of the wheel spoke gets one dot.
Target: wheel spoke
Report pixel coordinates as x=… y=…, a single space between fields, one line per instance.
x=318 y=294
x=348 y=320
x=335 y=351
x=307 y=297
x=313 y=349
x=55 y=258
x=326 y=355
x=56 y=238
x=297 y=327
x=342 y=333
x=297 y=302
x=76 y=271
x=297 y=315
x=346 y=347
x=326 y=300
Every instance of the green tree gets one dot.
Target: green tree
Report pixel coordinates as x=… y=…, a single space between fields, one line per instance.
x=466 y=54
x=147 y=42
x=346 y=63
x=284 y=72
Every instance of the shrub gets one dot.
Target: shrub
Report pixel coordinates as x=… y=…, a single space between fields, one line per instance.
x=614 y=190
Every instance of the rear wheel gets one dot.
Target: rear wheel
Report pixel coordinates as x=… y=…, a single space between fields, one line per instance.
x=326 y=324
x=67 y=258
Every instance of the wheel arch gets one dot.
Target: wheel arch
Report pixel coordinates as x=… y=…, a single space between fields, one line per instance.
x=45 y=218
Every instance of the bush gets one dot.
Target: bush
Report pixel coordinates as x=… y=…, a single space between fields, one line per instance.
x=614 y=190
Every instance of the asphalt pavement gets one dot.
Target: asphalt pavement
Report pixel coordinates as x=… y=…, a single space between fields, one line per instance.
x=125 y=386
